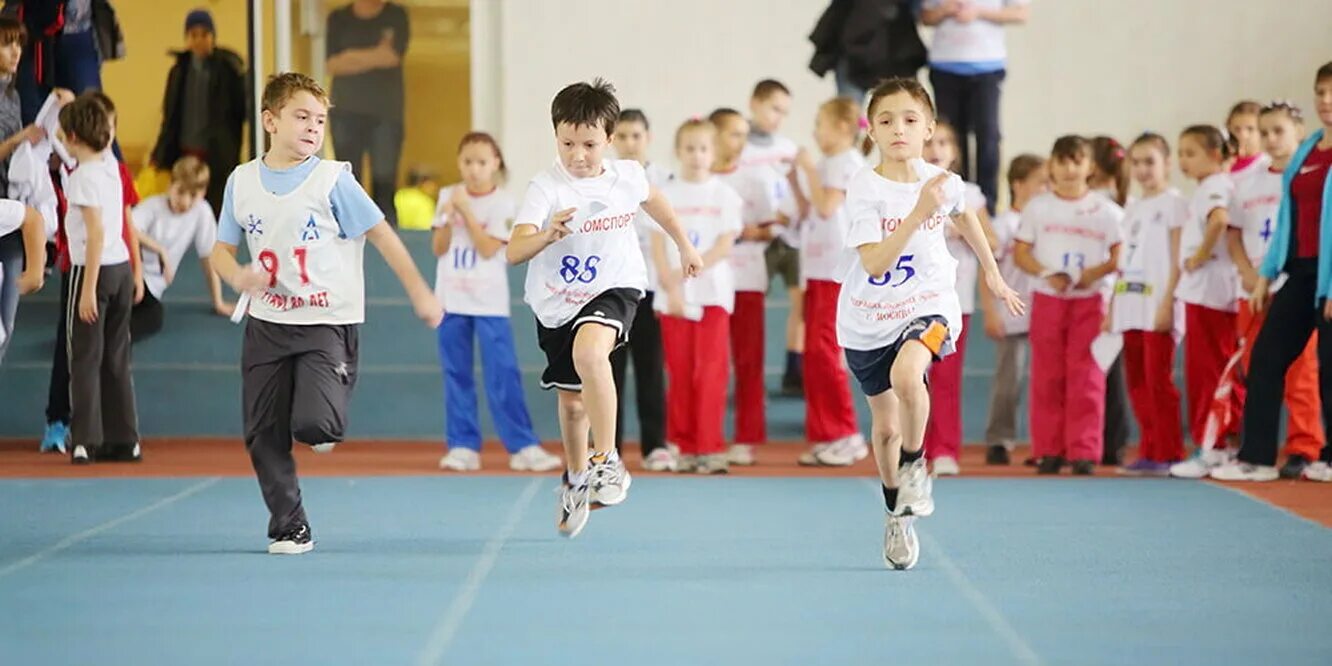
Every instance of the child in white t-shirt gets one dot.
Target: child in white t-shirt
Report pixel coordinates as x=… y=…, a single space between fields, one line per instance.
x=1144 y=309
x=1069 y=238
x=1028 y=178
x=168 y=225
x=584 y=280
x=696 y=314
x=898 y=310
x=472 y=222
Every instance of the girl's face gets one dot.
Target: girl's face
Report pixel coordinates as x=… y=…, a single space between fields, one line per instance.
x=630 y=140
x=1070 y=172
x=1323 y=101
x=695 y=150
x=1195 y=160
x=900 y=126
x=9 y=57
x=732 y=133
x=1148 y=165
x=478 y=164
x=1244 y=127
x=1280 y=135
x=941 y=149
x=1035 y=184
x=832 y=133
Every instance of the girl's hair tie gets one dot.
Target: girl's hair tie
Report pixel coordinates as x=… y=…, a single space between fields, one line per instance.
x=862 y=122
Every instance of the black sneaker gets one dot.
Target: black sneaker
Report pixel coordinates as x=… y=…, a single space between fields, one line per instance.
x=1084 y=467
x=1113 y=457
x=1050 y=464
x=81 y=455
x=120 y=453
x=295 y=541
x=1294 y=467
x=793 y=386
x=997 y=454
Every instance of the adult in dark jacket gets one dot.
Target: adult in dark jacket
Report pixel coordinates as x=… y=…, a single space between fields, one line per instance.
x=203 y=111
x=68 y=40
x=865 y=41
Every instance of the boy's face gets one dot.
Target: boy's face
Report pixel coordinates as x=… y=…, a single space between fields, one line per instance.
x=181 y=200
x=770 y=112
x=298 y=127
x=581 y=148
x=731 y=133
x=630 y=140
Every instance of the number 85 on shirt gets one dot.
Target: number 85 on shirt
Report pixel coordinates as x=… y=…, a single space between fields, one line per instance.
x=901 y=273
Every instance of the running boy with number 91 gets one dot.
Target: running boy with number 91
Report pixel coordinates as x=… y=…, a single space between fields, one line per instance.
x=306 y=221
x=576 y=226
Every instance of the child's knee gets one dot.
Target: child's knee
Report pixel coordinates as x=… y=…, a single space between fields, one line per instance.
x=909 y=385
x=571 y=406
x=316 y=428
x=591 y=358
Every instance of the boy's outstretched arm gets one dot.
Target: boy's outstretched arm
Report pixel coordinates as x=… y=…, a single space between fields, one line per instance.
x=390 y=247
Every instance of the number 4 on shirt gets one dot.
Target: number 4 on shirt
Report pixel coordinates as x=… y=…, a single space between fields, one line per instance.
x=269 y=260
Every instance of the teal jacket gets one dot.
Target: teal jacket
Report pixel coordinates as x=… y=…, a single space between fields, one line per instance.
x=1279 y=250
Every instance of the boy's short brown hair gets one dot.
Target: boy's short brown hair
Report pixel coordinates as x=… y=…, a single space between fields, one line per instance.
x=769 y=87
x=282 y=87
x=190 y=174
x=88 y=121
x=591 y=104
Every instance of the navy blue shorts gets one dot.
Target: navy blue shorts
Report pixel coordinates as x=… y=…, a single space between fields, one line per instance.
x=614 y=308
x=873 y=368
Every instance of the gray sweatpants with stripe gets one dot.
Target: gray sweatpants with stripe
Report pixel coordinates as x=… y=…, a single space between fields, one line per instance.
x=296 y=382
x=101 y=389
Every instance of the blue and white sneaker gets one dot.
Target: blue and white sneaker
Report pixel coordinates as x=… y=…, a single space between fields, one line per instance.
x=610 y=482
x=55 y=438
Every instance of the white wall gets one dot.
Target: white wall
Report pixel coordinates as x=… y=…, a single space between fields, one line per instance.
x=1087 y=66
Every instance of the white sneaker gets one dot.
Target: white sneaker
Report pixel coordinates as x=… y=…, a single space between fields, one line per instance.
x=1318 y=471
x=686 y=464
x=326 y=447
x=810 y=458
x=915 y=495
x=459 y=459
x=1202 y=463
x=901 y=548
x=945 y=466
x=1242 y=471
x=846 y=451
x=532 y=459
x=740 y=454
x=610 y=482
x=572 y=511
x=660 y=460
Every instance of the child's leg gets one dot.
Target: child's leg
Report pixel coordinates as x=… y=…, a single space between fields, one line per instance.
x=120 y=414
x=573 y=431
x=86 y=349
x=886 y=435
x=592 y=347
x=943 y=432
x=267 y=376
x=747 y=344
x=1046 y=405
x=57 y=397
x=1159 y=361
x=1134 y=356
x=829 y=414
x=908 y=380
x=324 y=375
x=1084 y=408
x=11 y=267
x=678 y=343
x=1001 y=429
x=1115 y=426
x=1303 y=405
x=649 y=377
x=1209 y=343
x=504 y=385
x=711 y=372
x=147 y=317
x=461 y=427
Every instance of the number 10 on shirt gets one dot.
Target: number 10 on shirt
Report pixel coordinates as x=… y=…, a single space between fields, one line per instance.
x=269 y=260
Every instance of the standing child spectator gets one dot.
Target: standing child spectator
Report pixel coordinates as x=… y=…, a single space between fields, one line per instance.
x=1207 y=288
x=1245 y=140
x=696 y=314
x=1027 y=179
x=471 y=278
x=1069 y=239
x=168 y=225
x=1110 y=178
x=631 y=140
x=103 y=417
x=1144 y=309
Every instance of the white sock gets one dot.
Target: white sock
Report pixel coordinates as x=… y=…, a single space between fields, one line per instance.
x=577 y=479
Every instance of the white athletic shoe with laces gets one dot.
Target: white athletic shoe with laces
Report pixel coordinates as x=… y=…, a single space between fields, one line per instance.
x=609 y=481
x=1200 y=464
x=915 y=495
x=1242 y=471
x=459 y=459
x=534 y=459
x=660 y=460
x=901 y=547
x=810 y=458
x=740 y=454
x=572 y=511
x=843 y=452
x=946 y=466
x=1318 y=471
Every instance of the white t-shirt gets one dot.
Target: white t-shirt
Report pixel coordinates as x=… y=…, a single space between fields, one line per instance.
x=873 y=311
x=11 y=216
x=1006 y=228
x=823 y=252
x=968 y=266
x=646 y=226
x=765 y=194
x=1073 y=235
x=778 y=153
x=707 y=211
x=602 y=252
x=975 y=42
x=1258 y=165
x=466 y=282
x=1144 y=262
x=96 y=184
x=1213 y=284
x=176 y=232
x=1253 y=211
